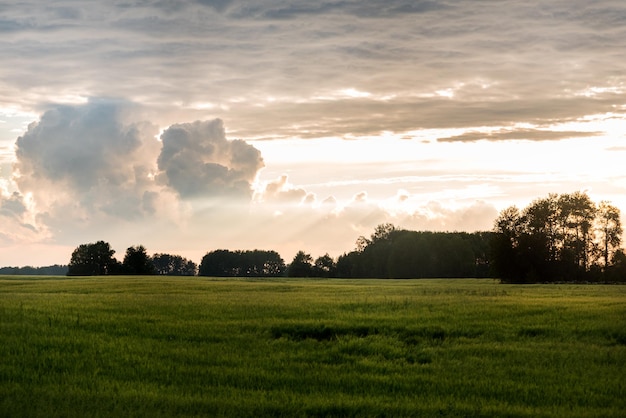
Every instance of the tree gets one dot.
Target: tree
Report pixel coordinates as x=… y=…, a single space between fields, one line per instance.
x=301 y=266
x=268 y=263
x=173 y=265
x=561 y=237
x=616 y=272
x=382 y=232
x=256 y=263
x=609 y=230
x=577 y=213
x=137 y=262
x=325 y=266
x=93 y=259
x=219 y=263
x=349 y=265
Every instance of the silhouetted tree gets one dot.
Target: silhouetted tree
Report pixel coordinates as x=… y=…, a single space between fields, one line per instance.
x=173 y=265
x=609 y=230
x=561 y=237
x=398 y=253
x=137 y=262
x=54 y=270
x=256 y=263
x=301 y=266
x=616 y=272
x=93 y=259
x=325 y=266
x=349 y=265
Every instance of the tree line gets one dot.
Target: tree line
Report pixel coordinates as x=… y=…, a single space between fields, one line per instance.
x=54 y=270
x=563 y=237
x=98 y=259
x=558 y=238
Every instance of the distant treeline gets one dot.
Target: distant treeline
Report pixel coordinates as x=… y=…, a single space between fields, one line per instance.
x=97 y=259
x=561 y=238
x=396 y=253
x=55 y=270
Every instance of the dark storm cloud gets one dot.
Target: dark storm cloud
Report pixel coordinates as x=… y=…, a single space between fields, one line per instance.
x=197 y=160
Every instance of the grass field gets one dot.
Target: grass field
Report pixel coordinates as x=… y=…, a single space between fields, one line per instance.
x=152 y=346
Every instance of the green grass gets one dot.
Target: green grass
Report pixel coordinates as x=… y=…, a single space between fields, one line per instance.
x=151 y=346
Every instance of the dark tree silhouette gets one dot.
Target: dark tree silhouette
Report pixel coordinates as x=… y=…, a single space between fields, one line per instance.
x=173 y=265
x=301 y=266
x=93 y=259
x=137 y=262
x=397 y=253
x=325 y=266
x=609 y=230
x=559 y=238
x=54 y=270
x=256 y=263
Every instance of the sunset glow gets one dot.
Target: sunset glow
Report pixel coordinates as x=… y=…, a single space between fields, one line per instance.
x=286 y=125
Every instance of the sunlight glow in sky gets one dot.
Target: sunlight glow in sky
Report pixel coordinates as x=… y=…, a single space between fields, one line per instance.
x=193 y=125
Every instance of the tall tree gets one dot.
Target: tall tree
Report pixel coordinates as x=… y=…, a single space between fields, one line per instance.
x=325 y=266
x=93 y=259
x=301 y=265
x=137 y=262
x=609 y=231
x=561 y=237
x=578 y=214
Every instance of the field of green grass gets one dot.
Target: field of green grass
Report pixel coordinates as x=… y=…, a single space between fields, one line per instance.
x=154 y=346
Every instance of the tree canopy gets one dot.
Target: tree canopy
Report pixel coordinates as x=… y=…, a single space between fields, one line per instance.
x=301 y=265
x=563 y=237
x=255 y=263
x=396 y=253
x=137 y=262
x=173 y=265
x=93 y=259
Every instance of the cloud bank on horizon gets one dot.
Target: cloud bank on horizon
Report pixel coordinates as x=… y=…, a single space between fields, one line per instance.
x=192 y=125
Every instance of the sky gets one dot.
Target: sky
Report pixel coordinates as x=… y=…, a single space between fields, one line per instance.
x=188 y=126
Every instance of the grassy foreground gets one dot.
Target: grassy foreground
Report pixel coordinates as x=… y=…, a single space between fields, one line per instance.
x=150 y=346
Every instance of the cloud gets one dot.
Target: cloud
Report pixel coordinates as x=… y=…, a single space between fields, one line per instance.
x=281 y=191
x=85 y=166
x=305 y=9
x=85 y=147
x=218 y=5
x=429 y=65
x=14 y=217
x=434 y=216
x=198 y=160
x=278 y=69
x=95 y=169
x=514 y=134
x=12 y=206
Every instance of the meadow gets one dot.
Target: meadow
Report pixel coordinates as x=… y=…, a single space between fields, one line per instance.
x=176 y=346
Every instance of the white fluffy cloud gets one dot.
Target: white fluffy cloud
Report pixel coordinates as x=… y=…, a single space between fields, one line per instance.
x=198 y=160
x=83 y=162
x=88 y=170
x=280 y=191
